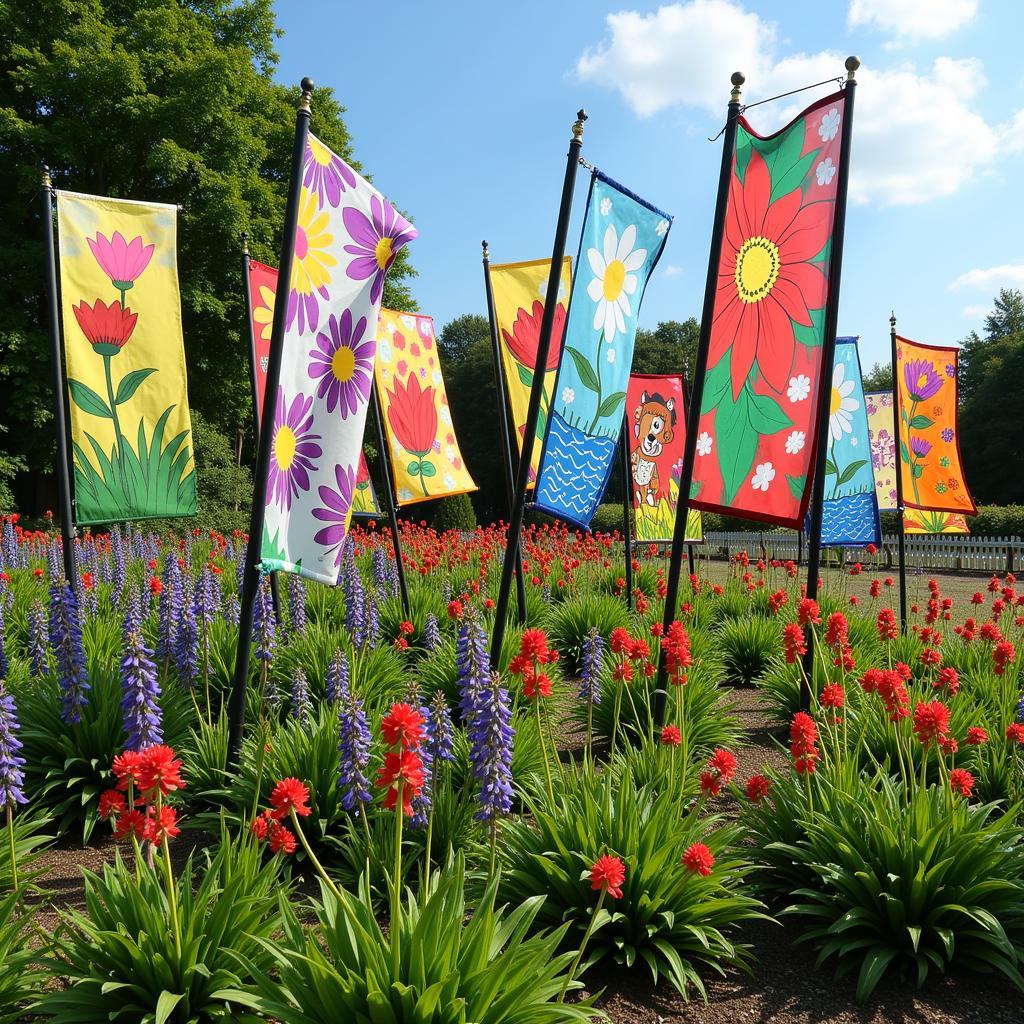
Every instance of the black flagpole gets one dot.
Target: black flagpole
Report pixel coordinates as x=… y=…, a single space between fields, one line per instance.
x=898 y=449
x=690 y=562
x=675 y=563
x=827 y=358
x=275 y=594
x=504 y=427
x=533 y=412
x=251 y=572
x=389 y=496
x=67 y=525
x=627 y=500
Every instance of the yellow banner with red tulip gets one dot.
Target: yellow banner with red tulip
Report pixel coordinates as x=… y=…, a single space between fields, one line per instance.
x=125 y=360
x=422 y=446
x=519 y=291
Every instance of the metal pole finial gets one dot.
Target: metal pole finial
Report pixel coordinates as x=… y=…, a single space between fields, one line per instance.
x=577 y=128
x=852 y=63
x=47 y=181
x=737 y=78
x=892 y=320
x=307 y=93
x=245 y=243
x=487 y=251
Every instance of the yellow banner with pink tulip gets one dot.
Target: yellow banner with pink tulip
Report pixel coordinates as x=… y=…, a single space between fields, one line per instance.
x=125 y=359
x=424 y=452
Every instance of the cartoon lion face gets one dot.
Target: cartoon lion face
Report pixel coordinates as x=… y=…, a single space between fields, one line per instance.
x=655 y=421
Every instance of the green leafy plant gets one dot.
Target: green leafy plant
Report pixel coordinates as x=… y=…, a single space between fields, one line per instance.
x=748 y=647
x=21 y=978
x=571 y=620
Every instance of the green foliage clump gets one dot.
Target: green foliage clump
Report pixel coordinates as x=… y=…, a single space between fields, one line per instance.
x=455 y=513
x=748 y=647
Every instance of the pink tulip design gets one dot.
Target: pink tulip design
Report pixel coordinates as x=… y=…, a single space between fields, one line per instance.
x=121 y=261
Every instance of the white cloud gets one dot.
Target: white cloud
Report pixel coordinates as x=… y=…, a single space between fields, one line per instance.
x=912 y=19
x=977 y=312
x=991 y=279
x=918 y=133
x=671 y=270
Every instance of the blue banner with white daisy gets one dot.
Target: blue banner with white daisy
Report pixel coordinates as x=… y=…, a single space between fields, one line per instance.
x=622 y=241
x=850 y=512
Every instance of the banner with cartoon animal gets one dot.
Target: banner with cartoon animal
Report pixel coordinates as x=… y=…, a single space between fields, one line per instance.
x=125 y=356
x=656 y=415
x=622 y=240
x=422 y=445
x=519 y=290
x=883 y=447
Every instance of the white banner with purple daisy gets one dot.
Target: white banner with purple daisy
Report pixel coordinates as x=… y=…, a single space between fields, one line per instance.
x=346 y=238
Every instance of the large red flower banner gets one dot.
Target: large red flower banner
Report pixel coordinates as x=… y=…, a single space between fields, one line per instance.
x=755 y=441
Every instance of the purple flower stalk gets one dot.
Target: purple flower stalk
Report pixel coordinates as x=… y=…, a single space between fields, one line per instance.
x=206 y=598
x=301 y=704
x=372 y=619
x=593 y=661
x=5 y=665
x=337 y=677
x=168 y=608
x=120 y=567
x=354 y=742
x=54 y=562
x=431 y=633
x=37 y=639
x=264 y=627
x=422 y=800
x=380 y=566
x=297 y=604
x=69 y=654
x=186 y=645
x=143 y=719
x=9 y=546
x=474 y=666
x=273 y=698
x=491 y=736
x=355 y=622
x=12 y=778
x=920 y=447
x=232 y=611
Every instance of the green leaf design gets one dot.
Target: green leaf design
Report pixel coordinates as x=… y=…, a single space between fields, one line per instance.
x=920 y=422
x=850 y=472
x=584 y=370
x=743 y=151
x=717 y=383
x=130 y=384
x=904 y=451
x=612 y=404
x=413 y=469
x=525 y=375
x=811 y=336
x=918 y=471
x=88 y=401
x=788 y=169
x=796 y=485
x=830 y=467
x=428 y=469
x=766 y=415
x=737 y=441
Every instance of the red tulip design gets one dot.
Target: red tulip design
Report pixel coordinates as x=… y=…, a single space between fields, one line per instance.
x=413 y=418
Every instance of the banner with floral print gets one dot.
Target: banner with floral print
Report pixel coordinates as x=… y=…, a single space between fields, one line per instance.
x=131 y=433
x=364 y=501
x=918 y=521
x=931 y=470
x=850 y=510
x=656 y=409
x=755 y=442
x=346 y=239
x=883 y=447
x=519 y=290
x=424 y=452
x=622 y=241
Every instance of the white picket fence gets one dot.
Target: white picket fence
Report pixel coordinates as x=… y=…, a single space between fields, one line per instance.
x=924 y=551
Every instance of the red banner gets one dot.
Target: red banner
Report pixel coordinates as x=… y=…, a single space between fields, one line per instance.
x=262 y=289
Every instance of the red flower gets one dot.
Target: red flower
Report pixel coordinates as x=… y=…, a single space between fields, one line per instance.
x=710 y=783
x=130 y=823
x=832 y=696
x=961 y=781
x=406 y=628
x=1003 y=654
x=803 y=735
x=608 y=874
x=261 y=825
x=287 y=796
x=161 y=770
x=525 y=336
x=163 y=825
x=976 y=736
x=534 y=645
x=931 y=722
x=947 y=680
x=793 y=642
x=1015 y=733
x=128 y=769
x=402 y=724
x=413 y=415
x=620 y=640
x=112 y=803
x=156 y=586
x=532 y=684
x=88 y=581
x=808 y=612
x=724 y=763
x=407 y=768
x=757 y=788
x=699 y=859
x=454 y=609
x=837 y=630
x=282 y=840
x=671 y=736
x=107 y=328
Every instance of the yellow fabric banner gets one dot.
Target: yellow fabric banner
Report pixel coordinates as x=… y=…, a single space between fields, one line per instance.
x=424 y=452
x=519 y=290
x=916 y=521
x=125 y=359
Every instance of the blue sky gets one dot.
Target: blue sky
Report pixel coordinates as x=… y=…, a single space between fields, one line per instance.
x=461 y=111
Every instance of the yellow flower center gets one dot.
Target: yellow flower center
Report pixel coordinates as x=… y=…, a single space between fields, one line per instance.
x=382 y=253
x=320 y=153
x=343 y=364
x=836 y=402
x=921 y=381
x=614 y=276
x=757 y=267
x=284 y=448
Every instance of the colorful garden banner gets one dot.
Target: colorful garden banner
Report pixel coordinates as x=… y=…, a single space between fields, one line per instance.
x=125 y=358
x=756 y=443
x=623 y=238
x=519 y=290
x=931 y=469
x=850 y=511
x=918 y=521
x=262 y=290
x=424 y=452
x=656 y=410
x=346 y=238
x=364 y=501
x=883 y=447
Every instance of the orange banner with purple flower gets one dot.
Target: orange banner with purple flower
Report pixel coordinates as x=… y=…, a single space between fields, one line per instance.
x=424 y=452
x=931 y=470
x=124 y=355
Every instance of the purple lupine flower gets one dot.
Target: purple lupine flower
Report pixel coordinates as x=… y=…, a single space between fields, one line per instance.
x=442 y=736
x=297 y=604
x=301 y=704
x=393 y=577
x=422 y=800
x=36 y=639
x=132 y=614
x=54 y=562
x=491 y=735
x=474 y=666
x=232 y=610
x=446 y=591
x=120 y=566
x=355 y=622
x=264 y=626
x=272 y=698
x=337 y=677
x=243 y=551
x=206 y=597
x=379 y=564
x=354 y=742
x=593 y=661
x=431 y=633
x=11 y=776
x=69 y=654
x=372 y=618
x=5 y=665
x=1020 y=708
x=143 y=719
x=186 y=645
x=168 y=608
x=9 y=546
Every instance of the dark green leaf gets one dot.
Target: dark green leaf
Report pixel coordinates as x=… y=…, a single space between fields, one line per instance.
x=920 y=422
x=811 y=336
x=765 y=414
x=797 y=484
x=737 y=442
x=428 y=469
x=130 y=384
x=850 y=472
x=87 y=400
x=583 y=369
x=612 y=404
x=525 y=375
x=716 y=383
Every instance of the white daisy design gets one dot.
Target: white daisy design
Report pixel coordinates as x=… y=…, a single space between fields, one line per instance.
x=408 y=322
x=795 y=442
x=384 y=350
x=661 y=228
x=449 y=481
x=404 y=494
x=568 y=396
x=705 y=443
x=763 y=476
x=826 y=171
x=614 y=280
x=841 y=405
x=611 y=355
x=436 y=377
x=606 y=206
x=853 y=442
x=829 y=125
x=799 y=388
x=542 y=290
x=425 y=328
x=446 y=416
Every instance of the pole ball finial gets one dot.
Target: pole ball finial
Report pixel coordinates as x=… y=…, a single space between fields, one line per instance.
x=852 y=64
x=307 y=93
x=577 y=128
x=737 y=78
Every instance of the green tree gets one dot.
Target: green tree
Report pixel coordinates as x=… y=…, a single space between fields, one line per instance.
x=459 y=335
x=670 y=348
x=878 y=378
x=158 y=100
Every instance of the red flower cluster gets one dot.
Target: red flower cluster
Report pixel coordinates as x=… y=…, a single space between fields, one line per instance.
x=793 y=642
x=803 y=735
x=402 y=724
x=837 y=631
x=961 y=781
x=757 y=788
x=889 y=685
x=699 y=859
x=832 y=696
x=807 y=612
x=721 y=768
x=148 y=776
x=534 y=652
x=931 y=722
x=148 y=772
x=671 y=736
x=1003 y=655
x=676 y=645
x=607 y=874
x=948 y=680
x=886 y=624
x=401 y=770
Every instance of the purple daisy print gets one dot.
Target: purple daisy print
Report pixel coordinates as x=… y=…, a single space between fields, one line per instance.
x=325 y=173
x=343 y=362
x=292 y=451
x=377 y=240
x=338 y=505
